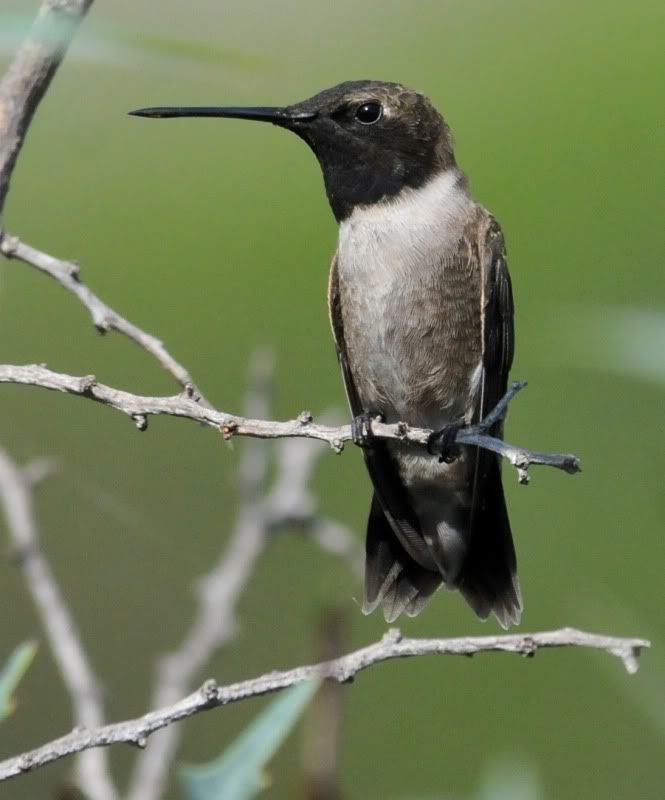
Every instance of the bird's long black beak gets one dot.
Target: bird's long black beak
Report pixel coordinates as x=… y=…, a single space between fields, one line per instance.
x=278 y=116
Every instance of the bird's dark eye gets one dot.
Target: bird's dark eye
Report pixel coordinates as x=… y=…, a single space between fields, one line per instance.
x=369 y=113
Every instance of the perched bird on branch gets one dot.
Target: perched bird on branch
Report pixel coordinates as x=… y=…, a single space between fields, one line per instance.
x=422 y=313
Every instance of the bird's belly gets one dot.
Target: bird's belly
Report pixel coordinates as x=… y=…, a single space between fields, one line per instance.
x=391 y=377
x=410 y=301
x=403 y=361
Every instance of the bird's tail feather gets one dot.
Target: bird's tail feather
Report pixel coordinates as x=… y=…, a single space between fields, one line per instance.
x=489 y=581
x=392 y=578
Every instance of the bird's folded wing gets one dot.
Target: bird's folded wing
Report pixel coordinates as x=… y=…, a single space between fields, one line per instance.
x=381 y=467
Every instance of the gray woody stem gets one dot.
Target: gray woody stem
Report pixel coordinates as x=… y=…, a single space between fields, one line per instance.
x=139 y=408
x=104 y=318
x=218 y=594
x=92 y=769
x=344 y=669
x=261 y=515
x=21 y=90
x=30 y=74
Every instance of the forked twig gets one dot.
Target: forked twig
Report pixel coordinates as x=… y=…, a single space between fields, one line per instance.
x=140 y=408
x=343 y=670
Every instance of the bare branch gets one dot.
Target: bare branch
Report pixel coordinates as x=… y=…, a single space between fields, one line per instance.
x=342 y=670
x=218 y=594
x=104 y=318
x=261 y=515
x=21 y=91
x=30 y=74
x=93 y=774
x=139 y=408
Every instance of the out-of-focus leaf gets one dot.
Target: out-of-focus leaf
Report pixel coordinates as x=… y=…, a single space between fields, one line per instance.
x=201 y=52
x=428 y=797
x=104 y=45
x=238 y=774
x=629 y=341
x=86 y=46
x=11 y=674
x=510 y=779
x=13 y=30
x=15 y=27
x=502 y=779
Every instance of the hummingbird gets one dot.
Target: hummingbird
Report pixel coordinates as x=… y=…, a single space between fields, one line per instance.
x=421 y=307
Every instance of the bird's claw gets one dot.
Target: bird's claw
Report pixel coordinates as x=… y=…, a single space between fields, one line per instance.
x=361 y=429
x=442 y=443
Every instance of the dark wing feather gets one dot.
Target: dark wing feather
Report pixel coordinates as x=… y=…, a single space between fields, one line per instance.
x=489 y=582
x=337 y=322
x=393 y=576
x=498 y=315
x=380 y=465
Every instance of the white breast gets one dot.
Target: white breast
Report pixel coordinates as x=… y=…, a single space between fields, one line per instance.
x=390 y=256
x=391 y=237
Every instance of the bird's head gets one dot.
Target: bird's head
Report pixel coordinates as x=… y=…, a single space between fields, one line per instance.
x=371 y=138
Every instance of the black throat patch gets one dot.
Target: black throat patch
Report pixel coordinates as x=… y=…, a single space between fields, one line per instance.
x=363 y=164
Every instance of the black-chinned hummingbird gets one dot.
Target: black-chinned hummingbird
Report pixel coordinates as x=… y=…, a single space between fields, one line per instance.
x=422 y=314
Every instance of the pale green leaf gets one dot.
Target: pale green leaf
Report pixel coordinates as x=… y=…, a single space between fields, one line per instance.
x=11 y=674
x=623 y=340
x=195 y=51
x=510 y=779
x=238 y=774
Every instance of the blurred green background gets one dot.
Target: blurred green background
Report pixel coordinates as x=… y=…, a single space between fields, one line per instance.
x=217 y=236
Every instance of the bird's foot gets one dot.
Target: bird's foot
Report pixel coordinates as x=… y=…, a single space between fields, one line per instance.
x=361 y=428
x=442 y=443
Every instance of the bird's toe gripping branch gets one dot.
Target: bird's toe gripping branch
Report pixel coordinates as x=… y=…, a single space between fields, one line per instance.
x=361 y=428
x=480 y=435
x=442 y=443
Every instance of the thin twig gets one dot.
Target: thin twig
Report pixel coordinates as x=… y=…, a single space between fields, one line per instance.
x=104 y=318
x=261 y=515
x=343 y=670
x=93 y=775
x=218 y=593
x=139 y=408
x=30 y=74
x=21 y=90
